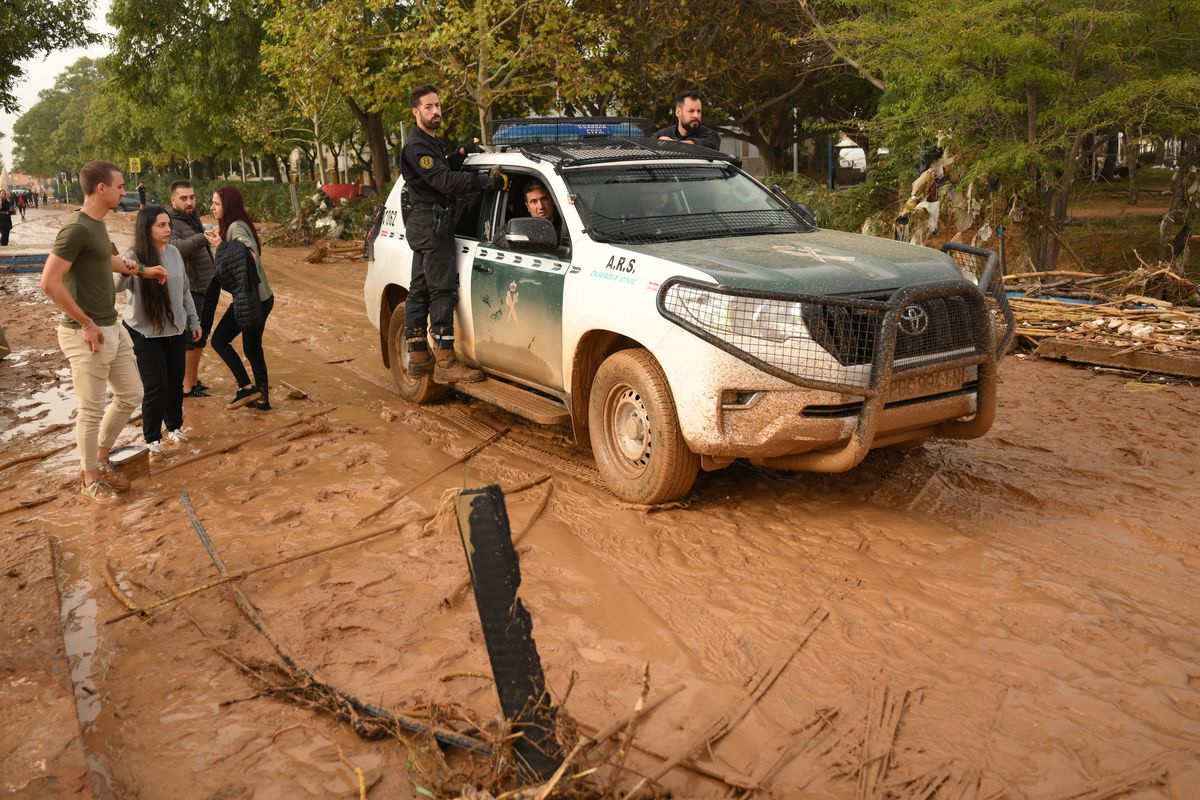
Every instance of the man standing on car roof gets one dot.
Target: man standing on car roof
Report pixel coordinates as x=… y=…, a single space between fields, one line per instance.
x=430 y=181
x=687 y=128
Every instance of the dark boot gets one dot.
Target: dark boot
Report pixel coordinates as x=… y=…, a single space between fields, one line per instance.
x=450 y=370
x=263 y=404
x=420 y=361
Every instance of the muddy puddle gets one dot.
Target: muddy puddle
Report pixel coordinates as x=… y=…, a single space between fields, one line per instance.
x=1015 y=616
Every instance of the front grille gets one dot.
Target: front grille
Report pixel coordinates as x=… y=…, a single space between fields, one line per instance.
x=928 y=328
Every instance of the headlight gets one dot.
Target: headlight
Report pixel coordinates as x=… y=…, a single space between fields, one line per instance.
x=772 y=331
x=724 y=314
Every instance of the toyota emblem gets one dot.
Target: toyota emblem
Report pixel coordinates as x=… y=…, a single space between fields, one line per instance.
x=914 y=320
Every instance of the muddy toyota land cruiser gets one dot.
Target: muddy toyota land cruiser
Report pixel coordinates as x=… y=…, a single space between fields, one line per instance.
x=680 y=315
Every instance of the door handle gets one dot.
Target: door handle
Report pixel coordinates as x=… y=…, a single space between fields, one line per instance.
x=484 y=269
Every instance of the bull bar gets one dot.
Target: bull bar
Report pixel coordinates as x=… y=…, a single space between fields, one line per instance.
x=854 y=339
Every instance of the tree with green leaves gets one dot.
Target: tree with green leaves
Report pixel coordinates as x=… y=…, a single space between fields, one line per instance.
x=1019 y=85
x=54 y=135
x=510 y=55
x=33 y=28
x=351 y=46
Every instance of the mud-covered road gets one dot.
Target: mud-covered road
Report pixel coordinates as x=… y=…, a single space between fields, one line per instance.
x=1015 y=616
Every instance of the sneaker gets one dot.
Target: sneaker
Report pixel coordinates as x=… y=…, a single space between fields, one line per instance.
x=260 y=405
x=201 y=385
x=196 y=391
x=99 y=491
x=244 y=396
x=178 y=437
x=114 y=478
x=156 y=449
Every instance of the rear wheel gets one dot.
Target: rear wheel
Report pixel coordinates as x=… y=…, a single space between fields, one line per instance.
x=415 y=390
x=635 y=431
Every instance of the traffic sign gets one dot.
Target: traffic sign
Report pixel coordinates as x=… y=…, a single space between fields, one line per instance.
x=135 y=165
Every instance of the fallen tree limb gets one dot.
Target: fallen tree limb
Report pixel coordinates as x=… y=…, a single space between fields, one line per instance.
x=237 y=576
x=1053 y=273
x=124 y=599
x=303 y=394
x=252 y=614
x=464 y=457
x=240 y=442
x=34 y=503
x=35 y=456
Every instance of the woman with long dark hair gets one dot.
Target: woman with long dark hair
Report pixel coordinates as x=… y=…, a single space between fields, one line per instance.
x=239 y=271
x=159 y=317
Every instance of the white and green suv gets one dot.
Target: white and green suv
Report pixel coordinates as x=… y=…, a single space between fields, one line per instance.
x=681 y=315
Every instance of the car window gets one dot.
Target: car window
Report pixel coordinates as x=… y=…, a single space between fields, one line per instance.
x=470 y=215
x=641 y=203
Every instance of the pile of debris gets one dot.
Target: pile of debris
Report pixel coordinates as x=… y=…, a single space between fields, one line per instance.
x=331 y=250
x=1146 y=319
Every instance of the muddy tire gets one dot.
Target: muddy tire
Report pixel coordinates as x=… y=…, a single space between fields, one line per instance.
x=635 y=431
x=415 y=390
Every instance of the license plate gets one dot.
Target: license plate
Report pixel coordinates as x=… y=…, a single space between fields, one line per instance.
x=903 y=388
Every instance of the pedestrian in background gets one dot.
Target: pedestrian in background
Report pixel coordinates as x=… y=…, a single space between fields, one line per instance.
x=239 y=271
x=187 y=234
x=160 y=318
x=21 y=202
x=141 y=189
x=6 y=212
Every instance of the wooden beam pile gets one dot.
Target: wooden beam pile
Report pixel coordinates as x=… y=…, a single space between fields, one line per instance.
x=1115 y=324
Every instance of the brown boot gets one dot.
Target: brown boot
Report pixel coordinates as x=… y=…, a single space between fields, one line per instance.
x=450 y=370
x=420 y=364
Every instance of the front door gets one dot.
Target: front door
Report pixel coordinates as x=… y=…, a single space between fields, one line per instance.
x=516 y=306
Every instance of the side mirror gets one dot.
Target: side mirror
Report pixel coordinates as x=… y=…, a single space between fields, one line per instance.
x=531 y=234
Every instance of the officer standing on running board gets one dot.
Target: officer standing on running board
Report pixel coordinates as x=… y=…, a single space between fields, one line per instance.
x=430 y=182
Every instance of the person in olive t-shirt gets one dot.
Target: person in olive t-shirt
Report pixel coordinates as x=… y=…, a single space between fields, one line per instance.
x=78 y=279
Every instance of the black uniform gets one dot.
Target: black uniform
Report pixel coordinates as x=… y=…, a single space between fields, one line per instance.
x=431 y=180
x=702 y=135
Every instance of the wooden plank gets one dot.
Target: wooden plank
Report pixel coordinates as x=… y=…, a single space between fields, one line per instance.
x=1137 y=360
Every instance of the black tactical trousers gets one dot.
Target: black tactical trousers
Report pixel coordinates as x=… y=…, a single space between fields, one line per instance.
x=433 y=289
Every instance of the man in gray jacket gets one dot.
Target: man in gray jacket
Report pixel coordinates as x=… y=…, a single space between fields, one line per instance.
x=187 y=234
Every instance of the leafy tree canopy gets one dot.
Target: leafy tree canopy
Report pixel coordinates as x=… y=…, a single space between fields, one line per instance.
x=33 y=28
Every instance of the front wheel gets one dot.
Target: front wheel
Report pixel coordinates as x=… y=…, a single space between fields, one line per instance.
x=639 y=450
x=415 y=390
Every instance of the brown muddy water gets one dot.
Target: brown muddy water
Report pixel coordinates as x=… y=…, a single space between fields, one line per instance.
x=1009 y=617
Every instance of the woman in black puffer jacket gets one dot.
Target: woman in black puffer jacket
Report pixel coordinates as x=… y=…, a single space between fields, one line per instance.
x=239 y=271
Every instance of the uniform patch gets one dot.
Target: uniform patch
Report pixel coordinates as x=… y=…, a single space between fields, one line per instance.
x=426 y=162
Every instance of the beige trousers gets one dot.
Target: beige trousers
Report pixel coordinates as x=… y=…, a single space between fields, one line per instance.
x=113 y=365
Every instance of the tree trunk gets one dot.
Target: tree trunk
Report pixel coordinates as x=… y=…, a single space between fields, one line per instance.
x=1172 y=244
x=211 y=163
x=273 y=164
x=1131 y=161
x=1111 y=156
x=372 y=126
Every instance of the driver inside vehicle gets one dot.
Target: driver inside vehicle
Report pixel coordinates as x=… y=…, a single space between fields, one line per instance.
x=658 y=201
x=540 y=205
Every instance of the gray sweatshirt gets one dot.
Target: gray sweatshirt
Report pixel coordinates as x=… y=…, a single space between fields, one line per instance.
x=182 y=307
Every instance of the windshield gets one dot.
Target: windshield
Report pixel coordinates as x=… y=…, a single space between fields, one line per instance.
x=644 y=203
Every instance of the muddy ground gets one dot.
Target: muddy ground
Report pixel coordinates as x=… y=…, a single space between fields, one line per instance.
x=1009 y=617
